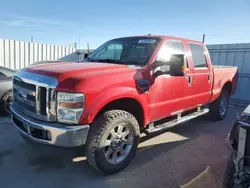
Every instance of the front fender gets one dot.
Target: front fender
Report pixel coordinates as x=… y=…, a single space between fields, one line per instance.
x=110 y=95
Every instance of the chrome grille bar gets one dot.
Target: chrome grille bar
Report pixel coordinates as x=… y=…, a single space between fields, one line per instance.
x=41 y=82
x=38 y=107
x=47 y=101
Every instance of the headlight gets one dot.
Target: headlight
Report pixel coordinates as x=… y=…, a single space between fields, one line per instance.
x=69 y=107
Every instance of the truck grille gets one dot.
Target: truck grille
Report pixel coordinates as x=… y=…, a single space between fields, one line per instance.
x=35 y=98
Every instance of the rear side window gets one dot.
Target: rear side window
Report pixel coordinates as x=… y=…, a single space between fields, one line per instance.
x=199 y=59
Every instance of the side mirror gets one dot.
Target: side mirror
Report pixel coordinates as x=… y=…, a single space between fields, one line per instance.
x=174 y=66
x=86 y=55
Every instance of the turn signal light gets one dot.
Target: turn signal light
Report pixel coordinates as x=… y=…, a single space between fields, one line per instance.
x=71 y=105
x=183 y=68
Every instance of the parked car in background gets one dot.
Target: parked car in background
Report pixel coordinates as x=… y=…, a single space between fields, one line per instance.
x=6 y=99
x=123 y=88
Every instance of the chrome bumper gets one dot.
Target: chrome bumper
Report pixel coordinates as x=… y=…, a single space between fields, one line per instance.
x=48 y=132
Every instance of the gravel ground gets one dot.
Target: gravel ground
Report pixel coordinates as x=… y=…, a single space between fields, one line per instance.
x=193 y=154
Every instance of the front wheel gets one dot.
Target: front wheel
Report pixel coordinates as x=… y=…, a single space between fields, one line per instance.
x=218 y=108
x=112 y=141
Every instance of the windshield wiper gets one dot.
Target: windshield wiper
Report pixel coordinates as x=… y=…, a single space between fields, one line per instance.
x=115 y=61
x=87 y=58
x=107 y=60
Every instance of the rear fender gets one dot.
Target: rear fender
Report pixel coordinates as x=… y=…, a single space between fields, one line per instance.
x=110 y=95
x=217 y=90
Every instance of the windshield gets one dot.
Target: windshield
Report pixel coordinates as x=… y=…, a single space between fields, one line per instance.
x=136 y=51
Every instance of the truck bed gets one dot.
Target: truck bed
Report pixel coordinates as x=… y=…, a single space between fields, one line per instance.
x=222 y=66
x=223 y=75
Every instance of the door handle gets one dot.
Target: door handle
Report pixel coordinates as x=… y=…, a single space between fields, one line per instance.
x=190 y=80
x=209 y=78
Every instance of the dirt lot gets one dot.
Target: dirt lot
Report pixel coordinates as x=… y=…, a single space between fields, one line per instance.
x=190 y=155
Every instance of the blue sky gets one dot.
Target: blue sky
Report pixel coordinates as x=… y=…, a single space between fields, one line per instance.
x=94 y=22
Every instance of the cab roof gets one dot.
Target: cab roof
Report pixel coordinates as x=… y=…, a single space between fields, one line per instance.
x=164 y=37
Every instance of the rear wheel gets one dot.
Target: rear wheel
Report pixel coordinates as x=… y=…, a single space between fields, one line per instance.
x=112 y=141
x=218 y=108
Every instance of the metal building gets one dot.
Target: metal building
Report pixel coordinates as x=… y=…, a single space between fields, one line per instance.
x=235 y=55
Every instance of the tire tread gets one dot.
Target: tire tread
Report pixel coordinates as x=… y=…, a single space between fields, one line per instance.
x=97 y=129
x=214 y=108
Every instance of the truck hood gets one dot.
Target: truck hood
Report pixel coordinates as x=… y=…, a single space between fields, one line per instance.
x=69 y=74
x=63 y=70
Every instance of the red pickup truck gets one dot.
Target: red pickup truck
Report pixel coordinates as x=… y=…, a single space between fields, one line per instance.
x=121 y=89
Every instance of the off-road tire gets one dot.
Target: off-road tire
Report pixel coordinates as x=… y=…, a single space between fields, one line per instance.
x=99 y=129
x=214 y=107
x=229 y=173
x=233 y=179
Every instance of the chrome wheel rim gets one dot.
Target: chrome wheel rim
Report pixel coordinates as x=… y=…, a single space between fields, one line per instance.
x=223 y=105
x=119 y=143
x=8 y=101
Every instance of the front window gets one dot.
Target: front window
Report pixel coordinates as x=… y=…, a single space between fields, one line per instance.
x=133 y=50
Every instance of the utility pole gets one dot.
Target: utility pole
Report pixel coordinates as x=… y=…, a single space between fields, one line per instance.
x=88 y=47
x=31 y=39
x=79 y=42
x=203 y=38
x=79 y=38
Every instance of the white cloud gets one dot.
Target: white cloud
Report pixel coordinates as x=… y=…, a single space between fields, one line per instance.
x=16 y=23
x=25 y=21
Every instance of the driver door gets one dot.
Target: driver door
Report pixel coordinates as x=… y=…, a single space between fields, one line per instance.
x=171 y=95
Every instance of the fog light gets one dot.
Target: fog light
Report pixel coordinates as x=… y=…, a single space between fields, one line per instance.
x=48 y=135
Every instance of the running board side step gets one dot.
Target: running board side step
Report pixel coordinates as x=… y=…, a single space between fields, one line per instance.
x=152 y=128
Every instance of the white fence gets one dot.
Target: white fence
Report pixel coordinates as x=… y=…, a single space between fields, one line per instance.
x=17 y=54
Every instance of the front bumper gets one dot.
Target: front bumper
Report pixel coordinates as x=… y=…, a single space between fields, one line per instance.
x=51 y=133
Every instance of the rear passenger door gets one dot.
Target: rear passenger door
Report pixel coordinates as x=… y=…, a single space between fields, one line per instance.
x=201 y=76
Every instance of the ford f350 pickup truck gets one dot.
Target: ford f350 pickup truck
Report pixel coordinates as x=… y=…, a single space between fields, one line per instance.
x=126 y=86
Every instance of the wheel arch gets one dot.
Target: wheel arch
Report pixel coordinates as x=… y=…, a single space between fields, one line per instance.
x=228 y=87
x=120 y=99
x=130 y=105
